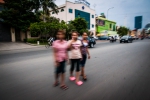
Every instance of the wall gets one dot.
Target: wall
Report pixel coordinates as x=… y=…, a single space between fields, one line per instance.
x=22 y=35
x=29 y=36
x=13 y=39
x=60 y=15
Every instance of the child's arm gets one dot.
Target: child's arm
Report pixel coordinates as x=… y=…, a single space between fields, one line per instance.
x=88 y=53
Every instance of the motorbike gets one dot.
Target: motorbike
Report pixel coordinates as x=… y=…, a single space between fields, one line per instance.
x=112 y=40
x=142 y=38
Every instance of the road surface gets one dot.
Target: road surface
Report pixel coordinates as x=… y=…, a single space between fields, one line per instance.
x=115 y=72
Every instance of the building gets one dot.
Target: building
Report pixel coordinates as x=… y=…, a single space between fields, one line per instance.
x=104 y=24
x=9 y=34
x=5 y=34
x=69 y=11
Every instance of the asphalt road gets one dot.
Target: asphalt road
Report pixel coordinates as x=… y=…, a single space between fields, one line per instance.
x=115 y=72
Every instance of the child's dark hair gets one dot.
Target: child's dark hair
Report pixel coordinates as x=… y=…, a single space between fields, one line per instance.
x=61 y=31
x=84 y=32
x=75 y=32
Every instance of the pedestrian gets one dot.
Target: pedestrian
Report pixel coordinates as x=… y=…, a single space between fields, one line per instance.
x=85 y=52
x=60 y=47
x=75 y=57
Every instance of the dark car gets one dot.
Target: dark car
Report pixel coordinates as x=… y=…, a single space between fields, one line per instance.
x=104 y=38
x=126 y=39
x=92 y=41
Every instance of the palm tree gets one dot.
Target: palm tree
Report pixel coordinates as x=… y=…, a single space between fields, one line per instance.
x=45 y=5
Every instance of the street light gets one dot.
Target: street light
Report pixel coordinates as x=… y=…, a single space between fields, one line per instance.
x=108 y=10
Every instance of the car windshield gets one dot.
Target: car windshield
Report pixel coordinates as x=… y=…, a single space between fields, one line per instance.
x=124 y=37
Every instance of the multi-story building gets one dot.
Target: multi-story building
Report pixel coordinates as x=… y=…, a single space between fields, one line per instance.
x=69 y=11
x=102 y=24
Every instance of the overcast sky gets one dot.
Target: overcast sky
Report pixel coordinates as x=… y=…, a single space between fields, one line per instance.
x=124 y=11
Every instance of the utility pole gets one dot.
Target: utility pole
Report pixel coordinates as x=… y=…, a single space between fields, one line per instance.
x=108 y=10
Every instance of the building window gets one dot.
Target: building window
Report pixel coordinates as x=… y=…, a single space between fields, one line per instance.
x=62 y=10
x=92 y=16
x=53 y=12
x=70 y=10
x=114 y=28
x=92 y=25
x=110 y=26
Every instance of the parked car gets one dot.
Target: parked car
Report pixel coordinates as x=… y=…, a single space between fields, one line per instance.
x=104 y=38
x=92 y=41
x=126 y=39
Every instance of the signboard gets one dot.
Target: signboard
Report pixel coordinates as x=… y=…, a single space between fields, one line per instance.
x=100 y=22
x=138 y=22
x=83 y=2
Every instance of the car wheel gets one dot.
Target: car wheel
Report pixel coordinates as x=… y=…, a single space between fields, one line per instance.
x=120 y=42
x=92 y=45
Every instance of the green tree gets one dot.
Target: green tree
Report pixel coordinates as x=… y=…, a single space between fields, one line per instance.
x=69 y=30
x=49 y=28
x=45 y=5
x=18 y=14
x=80 y=25
x=122 y=31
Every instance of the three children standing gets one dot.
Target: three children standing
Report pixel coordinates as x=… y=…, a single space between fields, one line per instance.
x=78 y=55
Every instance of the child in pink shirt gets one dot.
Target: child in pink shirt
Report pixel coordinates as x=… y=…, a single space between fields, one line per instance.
x=60 y=48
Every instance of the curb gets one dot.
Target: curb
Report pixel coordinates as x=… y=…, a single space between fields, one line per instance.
x=32 y=44
x=35 y=46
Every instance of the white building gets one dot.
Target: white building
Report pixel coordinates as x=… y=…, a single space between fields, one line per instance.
x=69 y=11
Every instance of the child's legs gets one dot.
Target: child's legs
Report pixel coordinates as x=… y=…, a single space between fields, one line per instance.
x=72 y=66
x=83 y=65
x=57 y=72
x=77 y=69
x=62 y=65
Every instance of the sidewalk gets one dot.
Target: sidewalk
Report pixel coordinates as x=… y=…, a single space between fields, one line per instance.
x=6 y=46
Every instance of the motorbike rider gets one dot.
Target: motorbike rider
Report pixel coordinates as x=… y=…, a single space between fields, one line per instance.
x=50 y=40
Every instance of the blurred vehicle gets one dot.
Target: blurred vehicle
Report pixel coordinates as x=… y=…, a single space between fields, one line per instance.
x=148 y=37
x=80 y=38
x=95 y=37
x=135 y=38
x=112 y=39
x=126 y=39
x=103 y=38
x=91 y=41
x=147 y=28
